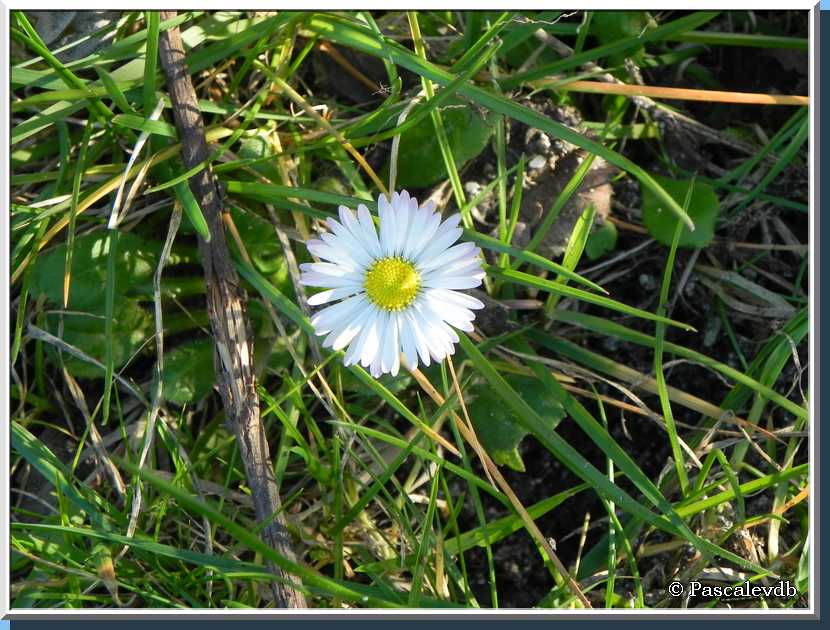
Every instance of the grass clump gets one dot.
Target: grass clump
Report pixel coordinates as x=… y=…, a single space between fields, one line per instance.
x=627 y=412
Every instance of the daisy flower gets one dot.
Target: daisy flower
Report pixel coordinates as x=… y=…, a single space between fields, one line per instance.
x=397 y=291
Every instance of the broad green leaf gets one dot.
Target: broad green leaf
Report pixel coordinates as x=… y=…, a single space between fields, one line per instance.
x=131 y=325
x=420 y=163
x=703 y=209
x=612 y=26
x=188 y=374
x=601 y=241
x=135 y=263
x=262 y=244
x=255 y=148
x=498 y=428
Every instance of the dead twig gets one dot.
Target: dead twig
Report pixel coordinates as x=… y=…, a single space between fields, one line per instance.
x=226 y=301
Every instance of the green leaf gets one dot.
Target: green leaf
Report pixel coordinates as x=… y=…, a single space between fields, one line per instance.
x=139 y=123
x=135 y=263
x=56 y=473
x=420 y=162
x=558 y=288
x=565 y=453
x=703 y=209
x=114 y=91
x=601 y=241
x=498 y=428
x=188 y=374
x=261 y=242
x=85 y=322
x=256 y=148
x=612 y=26
x=131 y=325
x=192 y=209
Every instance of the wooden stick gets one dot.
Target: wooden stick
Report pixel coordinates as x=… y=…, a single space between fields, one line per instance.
x=226 y=300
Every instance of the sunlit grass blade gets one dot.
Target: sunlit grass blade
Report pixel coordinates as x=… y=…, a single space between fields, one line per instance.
x=660 y=377
x=607 y=327
x=562 y=289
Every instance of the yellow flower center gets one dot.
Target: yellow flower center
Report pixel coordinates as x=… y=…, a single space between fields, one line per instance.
x=392 y=283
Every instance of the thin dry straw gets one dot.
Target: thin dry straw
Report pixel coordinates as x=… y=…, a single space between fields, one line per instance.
x=673 y=93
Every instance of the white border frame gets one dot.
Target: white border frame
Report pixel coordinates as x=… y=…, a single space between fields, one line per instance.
x=811 y=613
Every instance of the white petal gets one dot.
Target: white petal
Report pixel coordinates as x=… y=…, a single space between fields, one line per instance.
x=428 y=230
x=466 y=267
x=313 y=279
x=391 y=347
x=342 y=237
x=357 y=346
x=407 y=335
x=387 y=223
x=438 y=244
x=455 y=297
x=362 y=236
x=372 y=338
x=330 y=269
x=455 y=253
x=406 y=214
x=461 y=318
x=327 y=319
x=369 y=233
x=453 y=282
x=330 y=295
x=415 y=231
x=339 y=256
x=419 y=336
x=341 y=337
x=436 y=332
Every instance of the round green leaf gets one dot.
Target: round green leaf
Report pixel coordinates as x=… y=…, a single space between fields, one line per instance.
x=703 y=208
x=498 y=429
x=601 y=241
x=420 y=163
x=136 y=260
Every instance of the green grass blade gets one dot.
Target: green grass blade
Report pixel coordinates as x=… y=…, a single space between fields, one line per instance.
x=571 y=292
x=607 y=327
x=659 y=375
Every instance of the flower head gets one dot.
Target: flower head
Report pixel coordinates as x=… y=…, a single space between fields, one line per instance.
x=397 y=291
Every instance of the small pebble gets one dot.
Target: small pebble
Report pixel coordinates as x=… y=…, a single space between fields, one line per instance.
x=537 y=141
x=472 y=188
x=537 y=162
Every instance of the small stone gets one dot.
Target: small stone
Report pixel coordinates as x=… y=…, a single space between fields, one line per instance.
x=537 y=141
x=537 y=162
x=472 y=188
